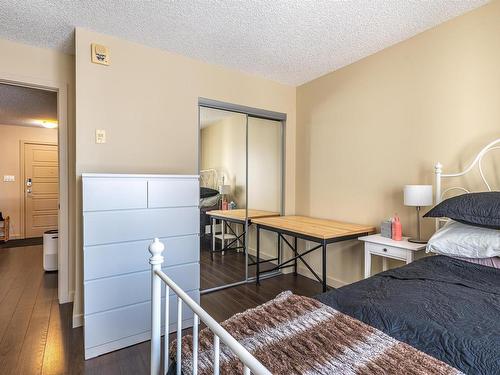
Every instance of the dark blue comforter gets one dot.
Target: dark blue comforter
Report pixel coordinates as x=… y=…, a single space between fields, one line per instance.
x=447 y=308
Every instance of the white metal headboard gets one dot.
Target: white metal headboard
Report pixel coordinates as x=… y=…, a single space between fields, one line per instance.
x=438 y=170
x=209 y=178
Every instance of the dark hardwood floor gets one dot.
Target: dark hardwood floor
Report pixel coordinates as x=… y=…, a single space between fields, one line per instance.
x=35 y=331
x=21 y=243
x=223 y=269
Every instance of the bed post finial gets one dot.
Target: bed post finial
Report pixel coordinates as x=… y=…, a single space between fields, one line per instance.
x=438 y=170
x=155 y=248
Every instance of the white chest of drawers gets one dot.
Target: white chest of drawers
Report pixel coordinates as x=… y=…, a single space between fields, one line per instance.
x=121 y=215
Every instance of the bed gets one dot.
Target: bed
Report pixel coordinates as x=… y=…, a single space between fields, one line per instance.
x=445 y=307
x=437 y=315
x=209 y=196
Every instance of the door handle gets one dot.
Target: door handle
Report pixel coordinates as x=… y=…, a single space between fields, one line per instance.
x=29 y=184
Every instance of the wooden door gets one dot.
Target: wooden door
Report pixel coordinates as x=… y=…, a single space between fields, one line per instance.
x=41 y=188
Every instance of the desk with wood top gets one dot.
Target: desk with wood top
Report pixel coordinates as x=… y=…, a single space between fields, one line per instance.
x=320 y=231
x=238 y=216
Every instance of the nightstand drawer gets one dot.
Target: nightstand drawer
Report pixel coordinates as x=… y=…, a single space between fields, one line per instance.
x=386 y=251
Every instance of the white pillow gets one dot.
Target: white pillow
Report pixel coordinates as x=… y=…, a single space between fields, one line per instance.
x=466 y=241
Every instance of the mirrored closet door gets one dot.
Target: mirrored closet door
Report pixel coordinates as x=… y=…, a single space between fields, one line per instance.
x=241 y=178
x=223 y=137
x=264 y=186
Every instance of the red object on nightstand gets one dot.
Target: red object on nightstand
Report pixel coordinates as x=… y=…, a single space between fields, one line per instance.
x=397 y=229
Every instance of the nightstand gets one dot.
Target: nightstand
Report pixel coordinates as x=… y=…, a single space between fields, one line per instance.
x=388 y=248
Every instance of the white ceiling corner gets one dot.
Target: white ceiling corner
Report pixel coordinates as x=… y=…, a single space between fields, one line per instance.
x=291 y=42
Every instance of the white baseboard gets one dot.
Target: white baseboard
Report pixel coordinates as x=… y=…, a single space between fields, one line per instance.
x=330 y=281
x=262 y=254
x=65 y=299
x=77 y=320
x=70 y=297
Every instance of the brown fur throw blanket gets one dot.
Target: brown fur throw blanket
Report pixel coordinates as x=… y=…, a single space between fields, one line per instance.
x=298 y=335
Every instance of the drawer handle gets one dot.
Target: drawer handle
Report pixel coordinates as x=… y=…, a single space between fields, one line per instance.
x=385 y=250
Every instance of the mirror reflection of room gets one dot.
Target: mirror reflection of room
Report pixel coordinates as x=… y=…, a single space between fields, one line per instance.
x=264 y=188
x=223 y=188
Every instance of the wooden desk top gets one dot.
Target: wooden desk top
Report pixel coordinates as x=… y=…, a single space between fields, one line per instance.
x=241 y=213
x=317 y=228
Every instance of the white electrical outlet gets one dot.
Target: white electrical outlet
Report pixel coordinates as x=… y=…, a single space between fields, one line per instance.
x=9 y=178
x=100 y=136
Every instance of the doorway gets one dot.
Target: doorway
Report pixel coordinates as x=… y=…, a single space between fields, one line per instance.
x=30 y=169
x=241 y=156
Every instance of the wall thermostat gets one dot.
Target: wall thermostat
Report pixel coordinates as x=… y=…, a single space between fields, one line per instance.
x=100 y=54
x=100 y=136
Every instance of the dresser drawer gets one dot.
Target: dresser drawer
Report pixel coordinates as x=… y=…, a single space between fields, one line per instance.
x=101 y=194
x=386 y=251
x=123 y=322
x=127 y=257
x=173 y=193
x=118 y=291
x=105 y=227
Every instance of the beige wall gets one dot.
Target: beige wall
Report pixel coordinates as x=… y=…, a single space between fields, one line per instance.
x=146 y=100
x=10 y=144
x=223 y=147
x=48 y=68
x=21 y=61
x=366 y=130
x=264 y=164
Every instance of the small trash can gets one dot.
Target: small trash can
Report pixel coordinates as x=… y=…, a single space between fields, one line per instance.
x=50 y=239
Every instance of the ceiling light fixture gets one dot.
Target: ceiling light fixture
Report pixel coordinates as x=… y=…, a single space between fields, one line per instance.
x=49 y=124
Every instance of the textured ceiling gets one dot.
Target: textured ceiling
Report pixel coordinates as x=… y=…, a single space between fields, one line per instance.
x=290 y=41
x=26 y=106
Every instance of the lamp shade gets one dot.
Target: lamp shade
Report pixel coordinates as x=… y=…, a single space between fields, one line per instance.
x=225 y=189
x=418 y=195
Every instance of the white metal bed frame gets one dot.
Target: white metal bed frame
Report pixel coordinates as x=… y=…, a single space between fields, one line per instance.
x=438 y=172
x=209 y=178
x=250 y=363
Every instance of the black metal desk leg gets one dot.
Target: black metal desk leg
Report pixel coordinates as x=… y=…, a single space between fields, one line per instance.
x=257 y=271
x=295 y=250
x=279 y=249
x=213 y=238
x=243 y=239
x=324 y=266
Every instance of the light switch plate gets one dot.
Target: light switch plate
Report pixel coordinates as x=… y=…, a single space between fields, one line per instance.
x=100 y=136
x=8 y=178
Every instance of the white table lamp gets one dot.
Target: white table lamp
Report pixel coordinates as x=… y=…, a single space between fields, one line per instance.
x=418 y=196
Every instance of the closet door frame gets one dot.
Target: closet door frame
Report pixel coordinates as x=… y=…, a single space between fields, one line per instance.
x=254 y=113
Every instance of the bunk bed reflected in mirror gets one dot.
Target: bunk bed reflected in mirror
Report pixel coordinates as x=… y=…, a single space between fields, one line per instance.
x=241 y=178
